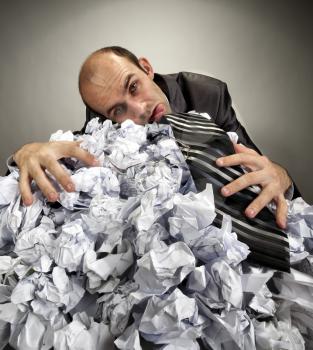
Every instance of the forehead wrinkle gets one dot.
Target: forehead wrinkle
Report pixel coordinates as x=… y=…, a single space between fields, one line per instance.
x=108 y=90
x=109 y=77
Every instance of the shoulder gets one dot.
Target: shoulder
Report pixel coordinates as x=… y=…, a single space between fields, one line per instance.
x=198 y=77
x=199 y=92
x=195 y=79
x=196 y=83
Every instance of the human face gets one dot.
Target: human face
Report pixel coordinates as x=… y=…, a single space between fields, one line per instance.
x=120 y=90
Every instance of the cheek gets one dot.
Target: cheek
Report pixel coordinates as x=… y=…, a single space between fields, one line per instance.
x=150 y=92
x=120 y=120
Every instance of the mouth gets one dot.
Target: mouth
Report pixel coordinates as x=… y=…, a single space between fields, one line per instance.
x=157 y=113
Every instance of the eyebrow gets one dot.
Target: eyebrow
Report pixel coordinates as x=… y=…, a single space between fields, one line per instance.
x=125 y=89
x=127 y=81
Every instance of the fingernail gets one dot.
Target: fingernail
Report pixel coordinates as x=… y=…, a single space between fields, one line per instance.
x=250 y=213
x=219 y=162
x=225 y=191
x=70 y=187
x=95 y=162
x=52 y=197
x=282 y=224
x=27 y=201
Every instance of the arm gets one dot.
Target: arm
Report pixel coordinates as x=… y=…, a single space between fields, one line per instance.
x=206 y=94
x=273 y=179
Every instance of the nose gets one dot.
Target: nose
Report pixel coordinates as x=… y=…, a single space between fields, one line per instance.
x=138 y=109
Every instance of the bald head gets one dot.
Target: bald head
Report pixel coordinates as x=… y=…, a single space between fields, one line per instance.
x=119 y=86
x=90 y=69
x=94 y=62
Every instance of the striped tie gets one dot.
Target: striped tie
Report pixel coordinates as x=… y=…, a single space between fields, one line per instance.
x=202 y=142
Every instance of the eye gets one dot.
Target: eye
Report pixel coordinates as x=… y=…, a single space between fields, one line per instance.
x=119 y=110
x=133 y=87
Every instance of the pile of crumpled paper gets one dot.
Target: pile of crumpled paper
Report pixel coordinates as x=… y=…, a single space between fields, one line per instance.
x=131 y=260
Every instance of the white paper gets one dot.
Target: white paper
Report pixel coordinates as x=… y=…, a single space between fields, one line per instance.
x=133 y=256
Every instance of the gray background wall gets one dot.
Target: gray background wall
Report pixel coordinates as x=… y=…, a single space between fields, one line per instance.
x=262 y=49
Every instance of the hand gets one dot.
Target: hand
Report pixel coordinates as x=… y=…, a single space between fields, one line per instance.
x=273 y=179
x=33 y=158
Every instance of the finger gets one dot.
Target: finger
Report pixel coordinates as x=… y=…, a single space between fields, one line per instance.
x=281 y=212
x=83 y=155
x=251 y=161
x=24 y=185
x=240 y=148
x=264 y=197
x=62 y=177
x=43 y=183
x=242 y=182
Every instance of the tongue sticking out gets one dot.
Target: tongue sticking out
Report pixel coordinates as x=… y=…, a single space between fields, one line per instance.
x=157 y=113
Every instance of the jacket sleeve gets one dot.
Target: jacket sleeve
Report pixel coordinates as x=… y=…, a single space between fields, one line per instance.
x=227 y=120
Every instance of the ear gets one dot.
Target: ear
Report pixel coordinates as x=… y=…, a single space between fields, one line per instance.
x=145 y=64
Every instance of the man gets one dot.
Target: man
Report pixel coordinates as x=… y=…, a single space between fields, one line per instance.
x=115 y=84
